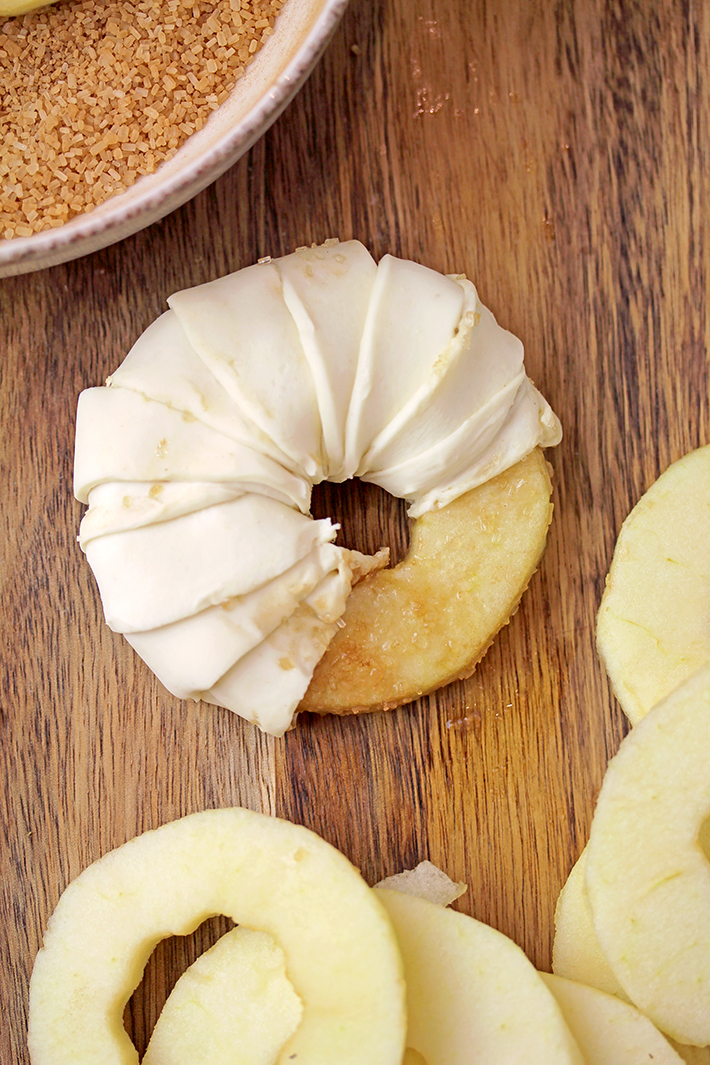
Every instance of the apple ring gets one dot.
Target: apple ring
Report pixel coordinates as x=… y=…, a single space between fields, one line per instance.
x=647 y=875
x=236 y=994
x=469 y=986
x=429 y=620
x=270 y=875
x=198 y=461
x=662 y=557
x=608 y=1031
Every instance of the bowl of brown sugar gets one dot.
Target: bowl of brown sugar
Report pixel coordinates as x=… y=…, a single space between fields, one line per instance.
x=115 y=112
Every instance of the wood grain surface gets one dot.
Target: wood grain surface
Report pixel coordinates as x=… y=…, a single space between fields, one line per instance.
x=557 y=152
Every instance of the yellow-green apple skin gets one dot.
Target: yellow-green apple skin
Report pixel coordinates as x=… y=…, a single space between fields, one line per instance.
x=473 y=997
x=269 y=875
x=647 y=876
x=652 y=627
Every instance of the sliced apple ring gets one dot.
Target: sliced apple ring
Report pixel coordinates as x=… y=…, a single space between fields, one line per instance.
x=608 y=1031
x=429 y=620
x=652 y=630
x=472 y=995
x=269 y=875
x=234 y=1006
x=578 y=958
x=647 y=876
x=576 y=954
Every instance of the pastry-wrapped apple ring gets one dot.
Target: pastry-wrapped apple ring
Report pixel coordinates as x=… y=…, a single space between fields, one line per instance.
x=198 y=461
x=269 y=875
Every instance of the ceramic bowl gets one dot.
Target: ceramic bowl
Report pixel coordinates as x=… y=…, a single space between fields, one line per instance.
x=302 y=31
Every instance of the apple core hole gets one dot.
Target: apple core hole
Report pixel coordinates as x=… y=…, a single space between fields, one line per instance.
x=369 y=517
x=165 y=966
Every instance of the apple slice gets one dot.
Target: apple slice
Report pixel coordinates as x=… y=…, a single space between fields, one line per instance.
x=576 y=954
x=406 y=633
x=413 y=1057
x=269 y=875
x=608 y=1031
x=647 y=876
x=472 y=995
x=652 y=630
x=234 y=1006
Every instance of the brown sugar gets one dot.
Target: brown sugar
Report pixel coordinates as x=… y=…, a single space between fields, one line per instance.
x=95 y=93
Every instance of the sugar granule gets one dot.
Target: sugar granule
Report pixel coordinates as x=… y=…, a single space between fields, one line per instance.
x=95 y=94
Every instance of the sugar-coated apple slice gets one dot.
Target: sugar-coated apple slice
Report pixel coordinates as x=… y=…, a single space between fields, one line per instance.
x=576 y=954
x=609 y=1031
x=234 y=1006
x=652 y=629
x=647 y=876
x=269 y=875
x=429 y=620
x=472 y=995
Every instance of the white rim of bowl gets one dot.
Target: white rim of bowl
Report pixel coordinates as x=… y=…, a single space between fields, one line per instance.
x=54 y=246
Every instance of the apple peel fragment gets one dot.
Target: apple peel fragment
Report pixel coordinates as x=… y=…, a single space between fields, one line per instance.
x=426 y=881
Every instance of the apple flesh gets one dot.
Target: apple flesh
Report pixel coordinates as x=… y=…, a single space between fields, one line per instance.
x=405 y=633
x=576 y=954
x=472 y=995
x=266 y=874
x=234 y=1006
x=652 y=630
x=578 y=957
x=609 y=1031
x=647 y=876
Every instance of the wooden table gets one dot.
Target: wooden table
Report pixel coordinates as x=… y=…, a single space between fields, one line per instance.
x=556 y=152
